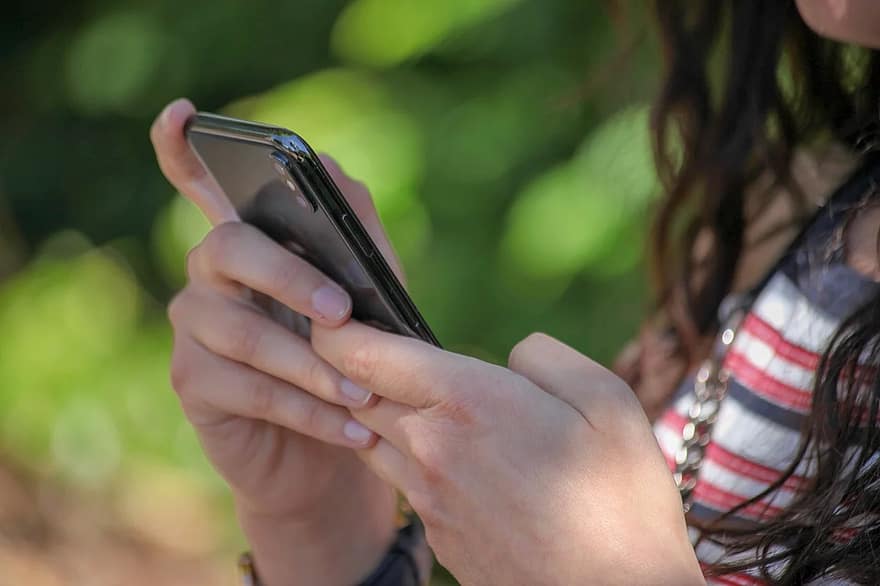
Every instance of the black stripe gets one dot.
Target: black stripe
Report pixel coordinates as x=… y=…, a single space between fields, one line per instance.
x=758 y=405
x=706 y=514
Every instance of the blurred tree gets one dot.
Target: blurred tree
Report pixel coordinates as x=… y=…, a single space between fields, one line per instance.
x=505 y=142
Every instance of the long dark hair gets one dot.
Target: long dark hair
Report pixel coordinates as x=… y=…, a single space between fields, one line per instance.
x=747 y=83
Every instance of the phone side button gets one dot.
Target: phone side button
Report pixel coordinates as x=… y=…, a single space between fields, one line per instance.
x=359 y=239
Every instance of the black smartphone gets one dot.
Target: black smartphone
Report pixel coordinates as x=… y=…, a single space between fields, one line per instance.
x=278 y=184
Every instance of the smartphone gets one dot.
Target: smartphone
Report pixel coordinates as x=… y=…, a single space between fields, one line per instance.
x=278 y=184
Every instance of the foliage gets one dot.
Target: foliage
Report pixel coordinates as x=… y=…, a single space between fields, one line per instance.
x=515 y=192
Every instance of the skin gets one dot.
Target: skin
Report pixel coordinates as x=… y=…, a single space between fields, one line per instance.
x=312 y=511
x=850 y=21
x=544 y=472
x=271 y=409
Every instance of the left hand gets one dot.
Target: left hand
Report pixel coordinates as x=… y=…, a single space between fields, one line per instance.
x=543 y=473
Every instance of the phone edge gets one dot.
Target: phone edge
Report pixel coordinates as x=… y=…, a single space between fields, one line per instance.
x=295 y=146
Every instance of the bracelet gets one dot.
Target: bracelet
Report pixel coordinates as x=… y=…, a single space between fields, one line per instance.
x=399 y=567
x=247 y=573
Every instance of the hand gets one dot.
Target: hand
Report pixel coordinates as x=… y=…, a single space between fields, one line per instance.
x=653 y=365
x=271 y=414
x=544 y=473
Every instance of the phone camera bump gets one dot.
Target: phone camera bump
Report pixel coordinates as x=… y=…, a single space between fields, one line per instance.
x=279 y=162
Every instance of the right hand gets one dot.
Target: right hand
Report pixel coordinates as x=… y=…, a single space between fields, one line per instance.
x=653 y=365
x=272 y=416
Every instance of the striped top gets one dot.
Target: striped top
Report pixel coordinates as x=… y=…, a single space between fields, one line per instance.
x=772 y=364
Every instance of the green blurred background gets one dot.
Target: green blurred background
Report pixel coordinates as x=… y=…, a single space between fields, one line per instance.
x=505 y=143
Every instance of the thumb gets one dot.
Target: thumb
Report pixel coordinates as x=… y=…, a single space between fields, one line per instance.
x=181 y=166
x=600 y=396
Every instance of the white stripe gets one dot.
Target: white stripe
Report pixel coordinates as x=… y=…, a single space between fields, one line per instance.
x=764 y=357
x=668 y=439
x=742 y=486
x=711 y=553
x=747 y=434
x=830 y=582
x=683 y=404
x=786 y=309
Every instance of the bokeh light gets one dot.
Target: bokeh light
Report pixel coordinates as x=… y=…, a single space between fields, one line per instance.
x=516 y=198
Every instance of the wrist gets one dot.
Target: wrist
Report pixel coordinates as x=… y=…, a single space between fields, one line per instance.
x=339 y=544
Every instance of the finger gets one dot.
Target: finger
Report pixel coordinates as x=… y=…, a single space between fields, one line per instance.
x=405 y=370
x=240 y=333
x=392 y=421
x=567 y=374
x=181 y=166
x=203 y=378
x=388 y=463
x=359 y=199
x=240 y=253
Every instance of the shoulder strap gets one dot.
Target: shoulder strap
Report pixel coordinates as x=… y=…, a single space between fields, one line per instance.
x=865 y=179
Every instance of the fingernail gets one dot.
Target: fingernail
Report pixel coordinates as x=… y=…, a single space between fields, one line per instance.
x=355 y=393
x=356 y=432
x=174 y=109
x=330 y=302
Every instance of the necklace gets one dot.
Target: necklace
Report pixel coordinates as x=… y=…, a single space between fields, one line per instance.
x=710 y=389
x=712 y=378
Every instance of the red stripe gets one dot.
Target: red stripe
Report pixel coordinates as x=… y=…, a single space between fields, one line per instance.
x=799 y=355
x=724 y=580
x=761 y=383
x=791 y=352
x=734 y=463
x=722 y=500
x=747 y=579
x=736 y=580
x=844 y=535
x=749 y=468
x=751 y=580
x=674 y=420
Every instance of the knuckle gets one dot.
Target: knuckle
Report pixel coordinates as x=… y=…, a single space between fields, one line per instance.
x=316 y=375
x=520 y=353
x=177 y=308
x=611 y=385
x=622 y=393
x=284 y=276
x=180 y=372
x=431 y=461
x=360 y=364
x=245 y=338
x=462 y=410
x=461 y=404
x=310 y=415
x=221 y=241
x=262 y=398
x=615 y=401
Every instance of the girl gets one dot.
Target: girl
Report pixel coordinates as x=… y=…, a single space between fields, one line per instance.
x=548 y=471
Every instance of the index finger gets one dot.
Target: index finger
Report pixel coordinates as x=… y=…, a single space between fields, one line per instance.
x=402 y=369
x=182 y=168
